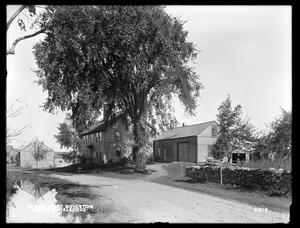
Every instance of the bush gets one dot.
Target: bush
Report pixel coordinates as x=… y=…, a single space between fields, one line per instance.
x=110 y=161
x=267 y=164
x=150 y=160
x=123 y=160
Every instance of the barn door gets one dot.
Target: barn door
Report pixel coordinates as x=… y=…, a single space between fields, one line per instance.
x=183 y=151
x=165 y=153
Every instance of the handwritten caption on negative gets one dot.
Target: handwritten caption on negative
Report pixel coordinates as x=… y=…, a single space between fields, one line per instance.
x=61 y=207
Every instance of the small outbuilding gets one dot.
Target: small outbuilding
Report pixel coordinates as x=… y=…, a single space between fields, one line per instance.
x=25 y=157
x=191 y=143
x=59 y=161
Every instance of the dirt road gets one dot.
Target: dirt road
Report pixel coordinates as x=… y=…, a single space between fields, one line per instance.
x=141 y=201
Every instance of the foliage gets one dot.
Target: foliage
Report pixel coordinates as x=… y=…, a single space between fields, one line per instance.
x=278 y=140
x=30 y=12
x=280 y=136
x=220 y=147
x=69 y=137
x=40 y=151
x=285 y=164
x=235 y=132
x=130 y=59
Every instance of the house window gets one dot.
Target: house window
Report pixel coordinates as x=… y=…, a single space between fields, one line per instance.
x=115 y=125
x=214 y=131
x=118 y=153
x=100 y=136
x=117 y=136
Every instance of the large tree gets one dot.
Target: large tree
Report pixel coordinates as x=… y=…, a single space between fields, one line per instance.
x=130 y=59
x=235 y=132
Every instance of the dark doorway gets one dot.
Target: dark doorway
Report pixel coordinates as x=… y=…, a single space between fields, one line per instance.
x=240 y=156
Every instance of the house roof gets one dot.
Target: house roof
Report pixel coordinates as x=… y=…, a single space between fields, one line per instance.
x=185 y=131
x=100 y=126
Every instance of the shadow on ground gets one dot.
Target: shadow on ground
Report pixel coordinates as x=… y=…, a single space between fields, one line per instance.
x=190 y=181
x=101 y=168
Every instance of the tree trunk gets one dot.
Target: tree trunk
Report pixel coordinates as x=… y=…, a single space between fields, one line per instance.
x=139 y=133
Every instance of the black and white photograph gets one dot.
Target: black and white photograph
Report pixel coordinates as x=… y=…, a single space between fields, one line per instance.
x=147 y=114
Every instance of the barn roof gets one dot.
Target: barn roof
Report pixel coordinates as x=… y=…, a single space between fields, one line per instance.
x=185 y=131
x=36 y=141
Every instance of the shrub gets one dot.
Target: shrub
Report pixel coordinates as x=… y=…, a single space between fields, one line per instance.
x=267 y=164
x=123 y=160
x=150 y=159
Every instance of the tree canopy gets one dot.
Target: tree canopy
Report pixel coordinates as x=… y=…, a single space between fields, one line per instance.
x=130 y=59
x=235 y=132
x=69 y=138
x=279 y=139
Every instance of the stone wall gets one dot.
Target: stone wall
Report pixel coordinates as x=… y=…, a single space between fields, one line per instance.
x=276 y=182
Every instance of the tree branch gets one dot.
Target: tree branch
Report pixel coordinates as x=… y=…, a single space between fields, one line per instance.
x=11 y=51
x=14 y=16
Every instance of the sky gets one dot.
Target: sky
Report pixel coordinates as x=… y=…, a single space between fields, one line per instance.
x=244 y=51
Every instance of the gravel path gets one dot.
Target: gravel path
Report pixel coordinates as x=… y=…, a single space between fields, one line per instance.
x=141 y=201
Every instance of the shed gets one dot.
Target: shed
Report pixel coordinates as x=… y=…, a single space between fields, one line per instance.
x=59 y=161
x=187 y=143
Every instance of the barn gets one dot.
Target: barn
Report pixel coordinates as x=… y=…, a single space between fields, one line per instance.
x=191 y=143
x=25 y=157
